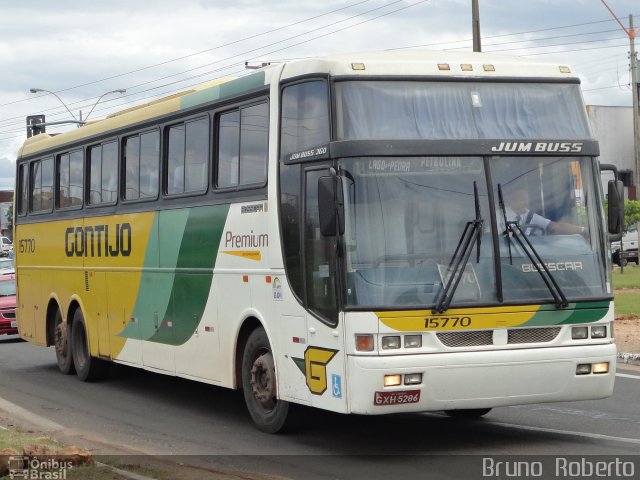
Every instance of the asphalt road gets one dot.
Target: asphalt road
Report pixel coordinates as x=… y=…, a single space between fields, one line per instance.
x=155 y=414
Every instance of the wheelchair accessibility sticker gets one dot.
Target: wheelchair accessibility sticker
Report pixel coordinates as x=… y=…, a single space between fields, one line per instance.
x=336 y=385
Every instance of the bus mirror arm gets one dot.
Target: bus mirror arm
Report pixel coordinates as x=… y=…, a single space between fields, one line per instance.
x=331 y=205
x=615 y=207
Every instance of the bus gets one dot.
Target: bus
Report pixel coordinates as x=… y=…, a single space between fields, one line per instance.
x=333 y=232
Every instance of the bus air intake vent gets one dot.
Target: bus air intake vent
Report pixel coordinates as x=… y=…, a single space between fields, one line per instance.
x=533 y=335
x=466 y=339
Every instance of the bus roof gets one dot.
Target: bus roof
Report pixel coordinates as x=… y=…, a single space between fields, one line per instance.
x=396 y=62
x=429 y=63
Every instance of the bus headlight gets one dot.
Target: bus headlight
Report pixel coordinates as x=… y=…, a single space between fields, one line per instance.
x=412 y=341
x=390 y=343
x=583 y=369
x=600 y=368
x=579 y=333
x=599 y=331
x=413 y=378
x=392 y=380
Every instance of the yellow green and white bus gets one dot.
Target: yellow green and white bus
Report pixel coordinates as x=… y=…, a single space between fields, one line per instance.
x=331 y=232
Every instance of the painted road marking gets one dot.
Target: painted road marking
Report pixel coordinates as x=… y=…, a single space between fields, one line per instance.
x=598 y=436
x=30 y=417
x=625 y=375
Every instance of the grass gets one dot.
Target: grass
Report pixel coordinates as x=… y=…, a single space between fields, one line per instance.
x=627 y=303
x=18 y=440
x=626 y=289
x=630 y=278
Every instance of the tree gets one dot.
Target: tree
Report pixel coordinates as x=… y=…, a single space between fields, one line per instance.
x=631 y=213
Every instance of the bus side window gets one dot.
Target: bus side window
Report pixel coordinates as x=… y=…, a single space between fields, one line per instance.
x=149 y=158
x=243 y=146
x=41 y=185
x=188 y=157
x=141 y=157
x=131 y=159
x=109 y=167
x=319 y=256
x=23 y=190
x=305 y=116
x=69 y=179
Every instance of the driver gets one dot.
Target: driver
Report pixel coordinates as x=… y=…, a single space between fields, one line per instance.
x=517 y=210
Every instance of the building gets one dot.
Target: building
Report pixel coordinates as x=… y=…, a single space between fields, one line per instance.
x=613 y=128
x=6 y=202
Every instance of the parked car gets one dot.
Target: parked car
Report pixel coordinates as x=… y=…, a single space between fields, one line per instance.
x=8 y=323
x=7 y=266
x=629 y=249
x=6 y=246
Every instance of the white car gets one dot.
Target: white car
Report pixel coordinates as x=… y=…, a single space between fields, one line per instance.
x=630 y=250
x=6 y=246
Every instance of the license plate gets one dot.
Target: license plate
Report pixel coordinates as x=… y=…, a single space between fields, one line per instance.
x=14 y=324
x=396 y=398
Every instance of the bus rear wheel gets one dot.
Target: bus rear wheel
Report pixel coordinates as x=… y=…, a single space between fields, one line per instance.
x=259 y=384
x=88 y=368
x=62 y=343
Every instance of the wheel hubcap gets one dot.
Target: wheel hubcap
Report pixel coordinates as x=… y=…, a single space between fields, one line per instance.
x=61 y=339
x=263 y=380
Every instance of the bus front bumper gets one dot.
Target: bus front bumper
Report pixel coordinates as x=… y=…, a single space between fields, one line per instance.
x=486 y=379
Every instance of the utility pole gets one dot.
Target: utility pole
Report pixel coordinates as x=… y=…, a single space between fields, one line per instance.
x=634 y=86
x=633 y=60
x=475 y=25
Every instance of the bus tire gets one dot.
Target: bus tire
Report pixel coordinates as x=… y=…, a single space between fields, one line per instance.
x=259 y=384
x=62 y=344
x=88 y=368
x=468 y=412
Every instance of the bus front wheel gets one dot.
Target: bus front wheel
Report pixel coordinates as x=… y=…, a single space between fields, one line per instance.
x=259 y=384
x=62 y=342
x=87 y=367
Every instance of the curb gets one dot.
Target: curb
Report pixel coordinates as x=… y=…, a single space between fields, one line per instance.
x=123 y=473
x=629 y=358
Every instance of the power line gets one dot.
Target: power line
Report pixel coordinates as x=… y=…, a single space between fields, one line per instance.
x=505 y=34
x=273 y=51
x=198 y=53
x=330 y=33
x=246 y=52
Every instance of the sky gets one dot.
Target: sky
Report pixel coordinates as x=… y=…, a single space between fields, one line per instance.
x=81 y=49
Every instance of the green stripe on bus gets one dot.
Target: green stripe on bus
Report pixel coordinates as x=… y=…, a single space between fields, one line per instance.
x=155 y=288
x=581 y=312
x=190 y=290
x=228 y=89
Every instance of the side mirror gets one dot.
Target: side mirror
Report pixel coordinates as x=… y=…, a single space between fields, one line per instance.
x=331 y=205
x=616 y=207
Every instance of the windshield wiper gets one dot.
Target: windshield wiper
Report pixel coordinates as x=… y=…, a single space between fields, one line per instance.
x=513 y=228
x=471 y=234
x=504 y=217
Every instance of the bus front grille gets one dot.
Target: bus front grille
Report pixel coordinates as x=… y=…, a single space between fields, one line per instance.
x=480 y=338
x=466 y=339
x=533 y=335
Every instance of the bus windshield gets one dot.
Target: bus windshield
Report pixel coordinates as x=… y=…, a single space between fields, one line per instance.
x=430 y=110
x=405 y=217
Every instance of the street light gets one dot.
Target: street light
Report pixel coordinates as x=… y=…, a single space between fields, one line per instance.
x=81 y=121
x=120 y=90
x=37 y=90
